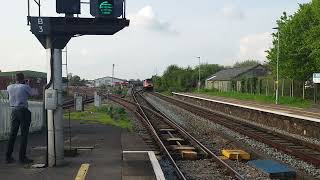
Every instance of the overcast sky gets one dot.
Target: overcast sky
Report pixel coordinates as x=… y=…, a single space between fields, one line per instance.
x=161 y=33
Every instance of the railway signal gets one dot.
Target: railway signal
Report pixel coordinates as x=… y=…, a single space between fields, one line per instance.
x=54 y=33
x=68 y=6
x=106 y=8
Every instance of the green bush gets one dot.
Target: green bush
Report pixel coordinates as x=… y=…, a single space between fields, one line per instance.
x=101 y=109
x=105 y=114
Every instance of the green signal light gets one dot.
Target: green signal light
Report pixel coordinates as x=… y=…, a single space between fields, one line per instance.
x=106 y=8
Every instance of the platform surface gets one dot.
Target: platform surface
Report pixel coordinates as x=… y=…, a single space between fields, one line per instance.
x=141 y=165
x=105 y=160
x=312 y=114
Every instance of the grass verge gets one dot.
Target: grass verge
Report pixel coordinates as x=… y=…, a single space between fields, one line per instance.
x=283 y=100
x=107 y=115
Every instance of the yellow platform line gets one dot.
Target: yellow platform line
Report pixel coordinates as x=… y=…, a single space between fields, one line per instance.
x=82 y=172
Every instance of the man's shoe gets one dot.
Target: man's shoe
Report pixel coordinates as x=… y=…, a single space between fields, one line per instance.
x=10 y=160
x=26 y=161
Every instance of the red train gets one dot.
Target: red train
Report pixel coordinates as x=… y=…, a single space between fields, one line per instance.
x=148 y=85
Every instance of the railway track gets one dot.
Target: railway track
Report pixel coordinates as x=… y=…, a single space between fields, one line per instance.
x=70 y=103
x=301 y=149
x=173 y=140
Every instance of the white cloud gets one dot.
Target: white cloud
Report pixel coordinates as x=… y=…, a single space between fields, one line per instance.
x=146 y=18
x=230 y=11
x=84 y=52
x=254 y=46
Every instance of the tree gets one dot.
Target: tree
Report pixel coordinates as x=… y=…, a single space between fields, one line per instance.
x=206 y=70
x=246 y=63
x=177 y=78
x=103 y=86
x=299 y=54
x=76 y=81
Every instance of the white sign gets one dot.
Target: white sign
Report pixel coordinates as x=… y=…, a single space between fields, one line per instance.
x=79 y=103
x=316 y=78
x=97 y=100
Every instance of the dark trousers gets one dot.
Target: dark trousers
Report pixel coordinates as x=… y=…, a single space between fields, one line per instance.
x=19 y=118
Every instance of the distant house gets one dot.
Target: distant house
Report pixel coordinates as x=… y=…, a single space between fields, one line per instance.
x=108 y=81
x=90 y=83
x=36 y=80
x=230 y=79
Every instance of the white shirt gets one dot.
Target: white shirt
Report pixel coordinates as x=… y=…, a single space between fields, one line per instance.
x=18 y=95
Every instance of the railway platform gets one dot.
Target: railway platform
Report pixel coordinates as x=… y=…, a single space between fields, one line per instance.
x=295 y=121
x=109 y=158
x=312 y=113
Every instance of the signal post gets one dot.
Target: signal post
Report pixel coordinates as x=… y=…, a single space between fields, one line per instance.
x=54 y=33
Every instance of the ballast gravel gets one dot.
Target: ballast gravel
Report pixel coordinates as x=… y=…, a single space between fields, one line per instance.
x=202 y=170
x=203 y=130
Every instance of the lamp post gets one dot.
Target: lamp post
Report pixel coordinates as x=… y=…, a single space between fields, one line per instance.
x=278 y=53
x=199 y=81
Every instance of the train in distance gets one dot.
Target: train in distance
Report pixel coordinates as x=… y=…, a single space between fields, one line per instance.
x=148 y=85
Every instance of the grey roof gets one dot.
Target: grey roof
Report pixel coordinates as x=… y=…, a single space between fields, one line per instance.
x=27 y=74
x=109 y=78
x=229 y=74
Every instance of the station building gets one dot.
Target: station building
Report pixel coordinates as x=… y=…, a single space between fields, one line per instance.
x=36 y=80
x=107 y=81
x=230 y=79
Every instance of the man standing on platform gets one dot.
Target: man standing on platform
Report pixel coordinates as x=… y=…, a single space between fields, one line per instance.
x=20 y=117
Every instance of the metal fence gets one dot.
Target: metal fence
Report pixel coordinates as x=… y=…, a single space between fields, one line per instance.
x=37 y=122
x=267 y=86
x=287 y=87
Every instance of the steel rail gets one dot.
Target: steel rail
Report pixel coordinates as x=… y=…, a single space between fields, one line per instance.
x=249 y=130
x=181 y=175
x=70 y=103
x=173 y=124
x=141 y=114
x=214 y=156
